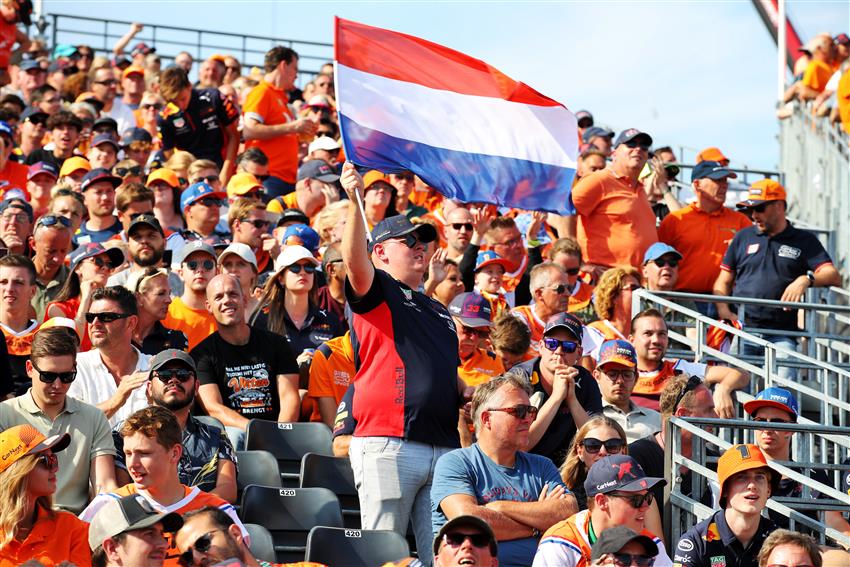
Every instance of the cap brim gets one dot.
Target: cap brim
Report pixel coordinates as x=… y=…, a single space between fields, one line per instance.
x=565 y=327
x=329 y=178
x=617 y=360
x=425 y=232
x=473 y=322
x=654 y=258
x=753 y=405
x=494 y=262
x=134 y=224
x=55 y=443
x=749 y=203
x=644 y=483
x=171 y=522
x=470 y=521
x=722 y=174
x=116 y=256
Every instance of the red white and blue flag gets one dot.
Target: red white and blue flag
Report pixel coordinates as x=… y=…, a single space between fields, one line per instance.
x=468 y=130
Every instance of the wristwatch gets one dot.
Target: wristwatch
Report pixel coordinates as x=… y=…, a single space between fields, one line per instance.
x=811 y=275
x=535 y=533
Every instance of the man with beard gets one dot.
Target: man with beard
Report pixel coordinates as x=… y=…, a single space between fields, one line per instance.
x=208 y=460
x=146 y=245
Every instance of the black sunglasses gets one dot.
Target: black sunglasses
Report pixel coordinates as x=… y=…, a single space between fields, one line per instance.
x=410 y=240
x=551 y=343
x=201 y=545
x=626 y=559
x=206 y=264
x=207 y=179
x=593 y=445
x=772 y=420
x=573 y=271
x=211 y=202
x=101 y=262
x=460 y=225
x=519 y=411
x=456 y=539
x=37 y=119
x=155 y=106
x=635 y=500
x=296 y=268
x=125 y=171
x=53 y=220
x=257 y=223
x=49 y=461
x=50 y=377
x=759 y=208
x=559 y=289
x=480 y=333
x=105 y=317
x=693 y=382
x=661 y=263
x=635 y=144
x=167 y=375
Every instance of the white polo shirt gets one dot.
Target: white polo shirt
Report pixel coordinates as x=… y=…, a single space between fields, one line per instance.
x=95 y=384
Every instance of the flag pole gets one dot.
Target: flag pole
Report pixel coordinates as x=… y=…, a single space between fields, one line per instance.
x=357 y=197
x=782 y=50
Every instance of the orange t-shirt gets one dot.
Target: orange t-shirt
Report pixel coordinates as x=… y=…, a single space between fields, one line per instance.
x=480 y=367
x=615 y=222
x=15 y=174
x=842 y=95
x=51 y=541
x=702 y=238
x=535 y=325
x=607 y=330
x=817 y=75
x=196 y=324
x=581 y=297
x=649 y=385
x=269 y=105
x=331 y=371
x=280 y=204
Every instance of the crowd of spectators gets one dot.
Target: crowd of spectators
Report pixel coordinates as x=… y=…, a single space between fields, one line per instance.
x=175 y=249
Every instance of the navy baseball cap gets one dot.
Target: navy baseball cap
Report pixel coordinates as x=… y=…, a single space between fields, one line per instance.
x=30 y=65
x=318 y=169
x=618 y=472
x=198 y=191
x=92 y=249
x=105 y=138
x=658 y=250
x=43 y=167
x=399 y=225
x=135 y=135
x=472 y=309
x=32 y=111
x=566 y=321
x=96 y=176
x=584 y=119
x=14 y=201
x=712 y=170
x=594 y=131
x=6 y=130
x=630 y=134
x=106 y=121
x=146 y=219
x=778 y=398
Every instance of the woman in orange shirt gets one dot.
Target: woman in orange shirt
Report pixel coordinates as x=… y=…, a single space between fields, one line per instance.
x=29 y=527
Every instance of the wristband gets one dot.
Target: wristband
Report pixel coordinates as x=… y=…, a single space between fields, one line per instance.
x=533 y=243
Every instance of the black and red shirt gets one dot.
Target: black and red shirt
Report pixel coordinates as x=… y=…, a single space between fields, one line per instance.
x=406 y=355
x=200 y=128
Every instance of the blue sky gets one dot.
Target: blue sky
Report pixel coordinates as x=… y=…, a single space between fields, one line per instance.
x=692 y=74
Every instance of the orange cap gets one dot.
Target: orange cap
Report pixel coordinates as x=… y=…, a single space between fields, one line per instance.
x=133 y=70
x=74 y=163
x=22 y=440
x=219 y=57
x=165 y=175
x=762 y=192
x=711 y=154
x=242 y=183
x=373 y=176
x=738 y=458
x=85 y=97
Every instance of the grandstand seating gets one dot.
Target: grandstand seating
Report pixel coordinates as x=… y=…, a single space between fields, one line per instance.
x=289 y=514
x=335 y=474
x=354 y=548
x=288 y=442
x=210 y=420
x=262 y=544
x=256 y=467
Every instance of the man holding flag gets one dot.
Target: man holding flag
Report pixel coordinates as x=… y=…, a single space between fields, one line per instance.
x=406 y=390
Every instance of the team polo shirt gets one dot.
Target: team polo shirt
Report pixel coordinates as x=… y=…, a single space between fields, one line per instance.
x=199 y=129
x=615 y=221
x=711 y=543
x=702 y=238
x=525 y=313
x=331 y=371
x=480 y=367
x=52 y=541
x=650 y=383
x=764 y=266
x=406 y=355
x=269 y=106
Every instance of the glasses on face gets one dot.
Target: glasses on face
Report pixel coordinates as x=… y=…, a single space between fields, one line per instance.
x=772 y=420
x=593 y=445
x=459 y=225
x=662 y=263
x=296 y=268
x=155 y=105
x=194 y=264
x=516 y=241
x=53 y=220
x=559 y=289
x=107 y=83
x=257 y=223
x=85 y=54
x=572 y=271
x=552 y=344
x=37 y=120
x=472 y=331
x=208 y=178
x=105 y=317
x=100 y=262
x=408 y=240
x=19 y=218
x=635 y=144
x=621 y=375
x=210 y=202
x=50 y=377
x=519 y=411
x=456 y=539
x=49 y=461
x=406 y=177
x=628 y=559
x=68 y=71
x=635 y=500
x=693 y=382
x=127 y=171
x=201 y=545
x=759 y=208
x=167 y=375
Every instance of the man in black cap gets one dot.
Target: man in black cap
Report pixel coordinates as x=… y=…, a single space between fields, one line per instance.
x=622 y=546
x=129 y=531
x=407 y=392
x=466 y=540
x=314 y=189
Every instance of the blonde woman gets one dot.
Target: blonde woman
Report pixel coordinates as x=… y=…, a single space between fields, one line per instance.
x=612 y=300
x=179 y=163
x=29 y=527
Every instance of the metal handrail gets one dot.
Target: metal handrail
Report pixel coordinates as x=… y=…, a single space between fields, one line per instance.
x=706 y=297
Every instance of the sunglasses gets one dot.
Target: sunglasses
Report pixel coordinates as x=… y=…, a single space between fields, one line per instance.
x=101 y=262
x=635 y=144
x=510 y=243
x=166 y=376
x=772 y=420
x=460 y=225
x=552 y=344
x=635 y=500
x=208 y=178
x=49 y=461
x=573 y=271
x=194 y=264
x=296 y=268
x=201 y=545
x=257 y=223
x=37 y=119
x=693 y=382
x=593 y=446
x=107 y=83
x=519 y=411
x=409 y=240
x=406 y=177
x=262 y=178
x=210 y=202
x=480 y=333
x=456 y=539
x=105 y=317
x=661 y=263
x=559 y=289
x=53 y=220
x=759 y=208
x=155 y=106
x=628 y=559
x=50 y=377
x=125 y=171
